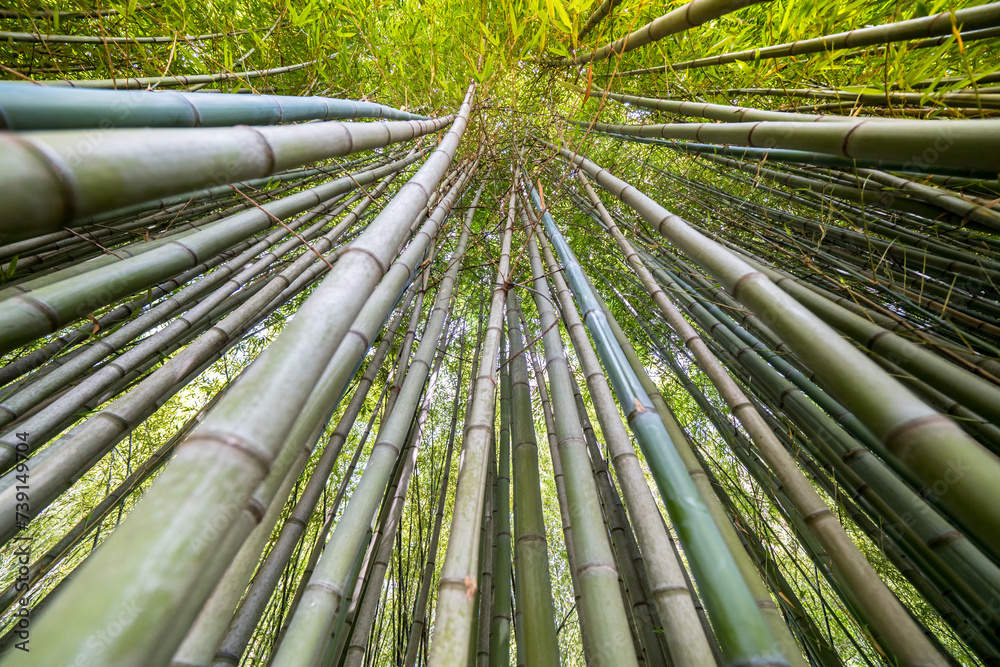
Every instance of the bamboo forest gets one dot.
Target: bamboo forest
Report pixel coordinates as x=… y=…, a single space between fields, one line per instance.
x=455 y=333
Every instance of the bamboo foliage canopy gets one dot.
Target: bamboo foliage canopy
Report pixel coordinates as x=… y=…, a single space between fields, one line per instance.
x=535 y=332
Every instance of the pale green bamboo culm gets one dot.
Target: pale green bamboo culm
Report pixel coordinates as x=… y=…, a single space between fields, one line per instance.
x=969 y=144
x=601 y=606
x=501 y=623
x=534 y=589
x=685 y=17
x=51 y=179
x=686 y=640
x=24 y=106
x=970 y=18
x=460 y=569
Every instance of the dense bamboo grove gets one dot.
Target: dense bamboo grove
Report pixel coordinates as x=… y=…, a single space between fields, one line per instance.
x=339 y=333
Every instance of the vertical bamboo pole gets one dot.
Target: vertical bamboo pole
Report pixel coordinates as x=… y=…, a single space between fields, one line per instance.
x=534 y=582
x=610 y=641
x=419 y=622
x=687 y=642
x=454 y=616
x=500 y=626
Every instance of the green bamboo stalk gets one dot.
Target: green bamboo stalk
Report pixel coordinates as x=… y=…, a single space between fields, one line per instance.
x=601 y=604
x=67 y=301
x=309 y=631
x=723 y=112
x=69 y=341
x=789 y=602
x=501 y=621
x=181 y=80
x=356 y=647
x=952 y=99
x=418 y=623
x=971 y=18
x=740 y=628
x=945 y=199
x=797 y=157
x=224 y=638
x=87 y=13
x=112 y=170
x=454 y=615
x=929 y=445
x=85 y=447
x=817 y=647
x=954 y=562
x=686 y=641
x=938 y=569
x=172 y=531
x=914 y=143
x=37 y=107
x=559 y=479
x=889 y=622
x=42 y=38
x=44 y=563
x=698 y=474
x=979 y=395
x=685 y=17
x=318 y=545
x=645 y=623
x=487 y=557
x=169 y=206
x=16 y=405
x=902 y=244
x=965 y=36
x=603 y=11
x=231 y=642
x=201 y=639
x=541 y=646
x=54 y=470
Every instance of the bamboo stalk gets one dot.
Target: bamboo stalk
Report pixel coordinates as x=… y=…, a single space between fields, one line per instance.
x=797 y=157
x=953 y=99
x=685 y=17
x=971 y=18
x=741 y=630
x=356 y=647
x=501 y=622
x=16 y=405
x=53 y=179
x=308 y=633
x=453 y=617
x=38 y=107
x=87 y=13
x=686 y=641
x=601 y=604
x=646 y=626
x=603 y=11
x=180 y=80
x=969 y=144
x=887 y=619
x=229 y=645
x=42 y=38
x=559 y=479
x=65 y=302
x=419 y=621
x=49 y=420
x=541 y=646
